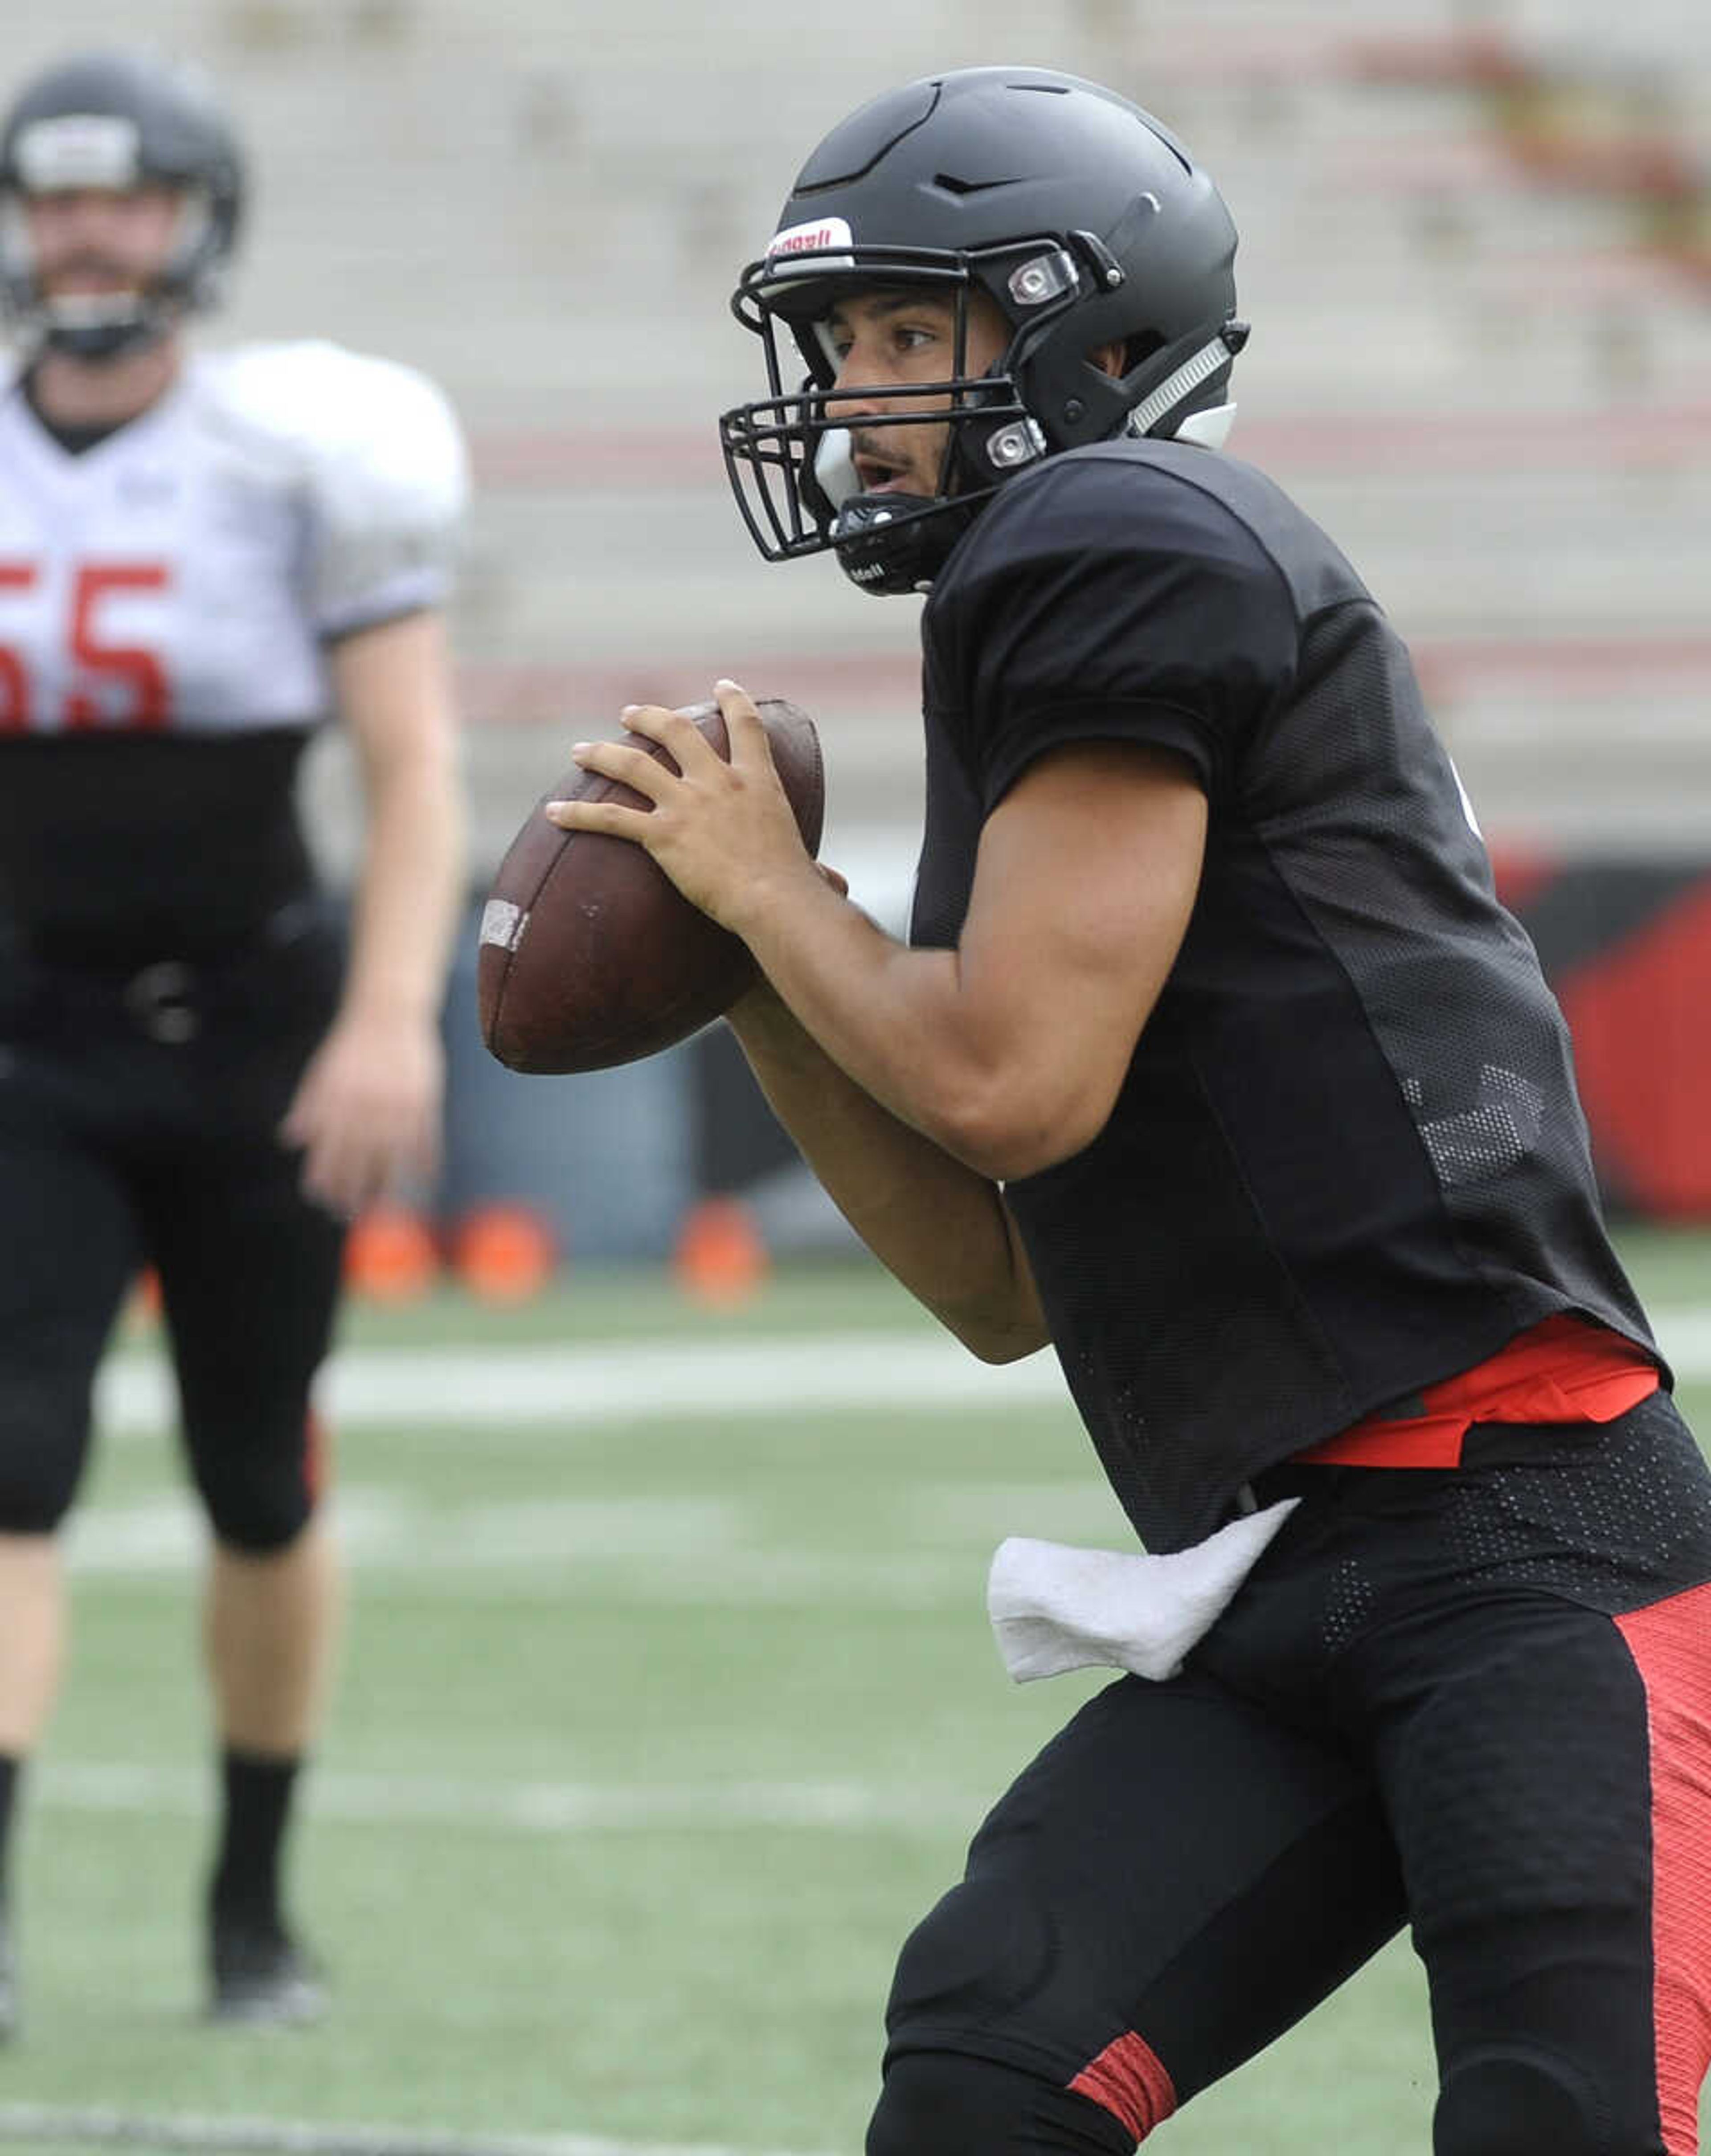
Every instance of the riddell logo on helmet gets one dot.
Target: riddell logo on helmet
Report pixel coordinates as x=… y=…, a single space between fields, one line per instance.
x=816 y=238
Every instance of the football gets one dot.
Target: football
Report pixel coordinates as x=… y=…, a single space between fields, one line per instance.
x=589 y=955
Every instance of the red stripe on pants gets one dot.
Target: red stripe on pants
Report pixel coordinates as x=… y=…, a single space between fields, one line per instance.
x=1128 y=2080
x=1671 y=1645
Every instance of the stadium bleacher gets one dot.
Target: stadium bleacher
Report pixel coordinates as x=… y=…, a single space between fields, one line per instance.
x=1480 y=340
x=1476 y=252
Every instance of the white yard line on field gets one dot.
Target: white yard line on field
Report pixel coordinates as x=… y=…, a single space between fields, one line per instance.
x=49 y=2125
x=926 y=1548
x=641 y=1380
x=531 y=1808
x=631 y=1383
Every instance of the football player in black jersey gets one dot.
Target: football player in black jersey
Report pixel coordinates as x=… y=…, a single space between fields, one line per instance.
x=200 y=556
x=1215 y=1064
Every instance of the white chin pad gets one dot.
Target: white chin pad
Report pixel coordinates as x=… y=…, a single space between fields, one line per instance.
x=1209 y=429
x=834 y=469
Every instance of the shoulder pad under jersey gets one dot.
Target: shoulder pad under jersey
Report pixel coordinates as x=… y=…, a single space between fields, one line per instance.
x=376 y=450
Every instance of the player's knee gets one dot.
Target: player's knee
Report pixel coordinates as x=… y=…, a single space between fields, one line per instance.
x=983 y=1950
x=258 y=1508
x=946 y=2103
x=44 y=1437
x=256 y=1468
x=1518 y=2101
x=35 y=1503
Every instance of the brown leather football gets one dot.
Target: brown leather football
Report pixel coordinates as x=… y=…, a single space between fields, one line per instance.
x=589 y=955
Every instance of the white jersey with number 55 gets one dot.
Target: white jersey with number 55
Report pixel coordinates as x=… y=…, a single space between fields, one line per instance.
x=185 y=573
x=169 y=595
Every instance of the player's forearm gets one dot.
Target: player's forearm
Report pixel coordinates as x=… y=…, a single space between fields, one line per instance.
x=943 y=1229
x=410 y=894
x=394 y=684
x=959 y=1062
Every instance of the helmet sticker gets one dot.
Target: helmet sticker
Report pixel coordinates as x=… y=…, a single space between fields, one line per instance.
x=818 y=238
x=78 y=149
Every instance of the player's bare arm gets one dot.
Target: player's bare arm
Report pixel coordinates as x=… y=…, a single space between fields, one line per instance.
x=941 y=1230
x=367 y=1111
x=916 y=1082
x=1008 y=1051
x=938 y=1225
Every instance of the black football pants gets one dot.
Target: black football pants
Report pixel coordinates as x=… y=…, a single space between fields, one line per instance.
x=137 y=1129
x=1474 y=1701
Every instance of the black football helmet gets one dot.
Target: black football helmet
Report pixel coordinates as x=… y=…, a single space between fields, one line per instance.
x=119 y=121
x=1080 y=216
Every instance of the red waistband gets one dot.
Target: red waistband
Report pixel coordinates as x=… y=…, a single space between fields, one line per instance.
x=1566 y=1370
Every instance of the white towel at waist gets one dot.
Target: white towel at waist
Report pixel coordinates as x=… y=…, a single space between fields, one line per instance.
x=1054 y=1607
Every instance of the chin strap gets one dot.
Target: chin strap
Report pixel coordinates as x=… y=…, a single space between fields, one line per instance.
x=1182 y=381
x=97 y=327
x=97 y=346
x=889 y=543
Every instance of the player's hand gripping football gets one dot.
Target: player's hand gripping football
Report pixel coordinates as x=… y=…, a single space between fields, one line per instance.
x=724 y=832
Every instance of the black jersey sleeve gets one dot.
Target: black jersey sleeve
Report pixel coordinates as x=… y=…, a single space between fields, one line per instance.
x=1109 y=599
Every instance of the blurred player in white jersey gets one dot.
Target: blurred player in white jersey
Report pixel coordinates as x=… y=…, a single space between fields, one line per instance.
x=202 y=556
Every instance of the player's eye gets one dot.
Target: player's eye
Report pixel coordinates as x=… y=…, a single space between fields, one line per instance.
x=834 y=339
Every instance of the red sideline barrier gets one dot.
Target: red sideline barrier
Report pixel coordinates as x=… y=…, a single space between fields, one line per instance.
x=1627 y=947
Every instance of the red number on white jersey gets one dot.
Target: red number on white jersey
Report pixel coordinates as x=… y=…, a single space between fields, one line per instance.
x=14 y=677
x=141 y=671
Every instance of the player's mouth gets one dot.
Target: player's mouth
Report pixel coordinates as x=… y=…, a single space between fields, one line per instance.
x=880 y=474
x=88 y=277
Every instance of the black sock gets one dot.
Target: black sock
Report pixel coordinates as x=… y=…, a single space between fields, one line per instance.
x=245 y=1887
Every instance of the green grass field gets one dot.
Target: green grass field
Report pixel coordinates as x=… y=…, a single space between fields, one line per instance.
x=668 y=1703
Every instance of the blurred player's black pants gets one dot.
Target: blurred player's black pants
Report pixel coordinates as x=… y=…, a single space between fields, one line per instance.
x=138 y=1120
x=1476 y=1702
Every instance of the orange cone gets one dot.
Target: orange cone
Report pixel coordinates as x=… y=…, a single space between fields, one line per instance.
x=721 y=1256
x=503 y=1253
x=390 y=1256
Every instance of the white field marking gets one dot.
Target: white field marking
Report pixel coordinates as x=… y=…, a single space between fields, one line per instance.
x=40 y=2125
x=569 y=1386
x=640 y=1381
x=665 y=1552
x=390 y=1528
x=530 y=1808
x=665 y=1548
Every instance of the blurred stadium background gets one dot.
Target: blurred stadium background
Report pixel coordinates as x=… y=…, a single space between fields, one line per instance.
x=1477 y=254
x=642 y=1662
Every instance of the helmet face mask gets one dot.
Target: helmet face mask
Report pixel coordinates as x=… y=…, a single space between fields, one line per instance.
x=933 y=185
x=117 y=124
x=788 y=454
